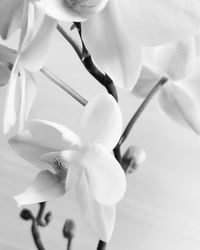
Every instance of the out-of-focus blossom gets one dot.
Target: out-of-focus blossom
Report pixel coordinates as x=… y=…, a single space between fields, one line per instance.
x=174 y=61
x=115 y=36
x=11 y=12
x=132 y=158
x=31 y=56
x=82 y=161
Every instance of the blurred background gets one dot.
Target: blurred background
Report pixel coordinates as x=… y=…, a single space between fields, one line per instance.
x=161 y=208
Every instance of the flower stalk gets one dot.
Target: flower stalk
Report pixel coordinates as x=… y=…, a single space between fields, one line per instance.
x=140 y=110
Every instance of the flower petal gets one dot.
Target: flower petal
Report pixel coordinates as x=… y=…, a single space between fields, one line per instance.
x=180 y=106
x=104 y=174
x=60 y=10
x=35 y=55
x=25 y=146
x=157 y=22
x=7 y=54
x=9 y=116
x=176 y=60
x=53 y=135
x=10 y=16
x=101 y=121
x=147 y=80
x=111 y=47
x=4 y=74
x=46 y=186
x=99 y=218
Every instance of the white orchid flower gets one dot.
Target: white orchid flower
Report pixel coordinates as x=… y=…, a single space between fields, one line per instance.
x=176 y=62
x=82 y=161
x=31 y=56
x=115 y=35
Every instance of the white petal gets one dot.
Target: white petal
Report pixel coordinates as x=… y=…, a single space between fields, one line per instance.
x=104 y=174
x=60 y=10
x=9 y=116
x=7 y=54
x=45 y=187
x=176 y=60
x=147 y=80
x=100 y=219
x=180 y=106
x=101 y=121
x=35 y=55
x=30 y=93
x=157 y=22
x=53 y=135
x=111 y=47
x=10 y=16
x=30 y=150
x=4 y=74
x=22 y=86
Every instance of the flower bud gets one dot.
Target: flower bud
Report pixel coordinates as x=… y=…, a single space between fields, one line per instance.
x=132 y=158
x=26 y=214
x=69 y=229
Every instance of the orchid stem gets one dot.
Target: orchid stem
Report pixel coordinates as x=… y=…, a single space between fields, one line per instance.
x=101 y=245
x=64 y=86
x=140 y=110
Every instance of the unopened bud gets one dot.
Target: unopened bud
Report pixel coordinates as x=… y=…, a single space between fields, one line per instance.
x=26 y=214
x=132 y=158
x=69 y=229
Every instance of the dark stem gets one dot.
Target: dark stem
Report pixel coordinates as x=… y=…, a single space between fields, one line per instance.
x=36 y=235
x=69 y=244
x=101 y=245
x=140 y=110
x=40 y=213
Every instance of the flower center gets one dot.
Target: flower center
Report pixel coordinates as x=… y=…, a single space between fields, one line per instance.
x=61 y=169
x=85 y=7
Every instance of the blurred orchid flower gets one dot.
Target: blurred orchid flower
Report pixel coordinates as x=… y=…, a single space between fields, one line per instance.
x=31 y=56
x=82 y=161
x=176 y=62
x=115 y=36
x=11 y=12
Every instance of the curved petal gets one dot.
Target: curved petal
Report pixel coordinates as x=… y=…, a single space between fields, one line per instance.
x=104 y=174
x=10 y=16
x=35 y=55
x=179 y=105
x=9 y=116
x=176 y=60
x=4 y=74
x=147 y=80
x=111 y=47
x=157 y=22
x=53 y=135
x=25 y=146
x=100 y=219
x=7 y=54
x=46 y=186
x=101 y=121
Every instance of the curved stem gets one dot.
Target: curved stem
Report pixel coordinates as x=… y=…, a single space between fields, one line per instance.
x=140 y=110
x=64 y=86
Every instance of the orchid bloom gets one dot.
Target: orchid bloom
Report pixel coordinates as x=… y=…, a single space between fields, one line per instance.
x=82 y=161
x=115 y=35
x=31 y=56
x=175 y=61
